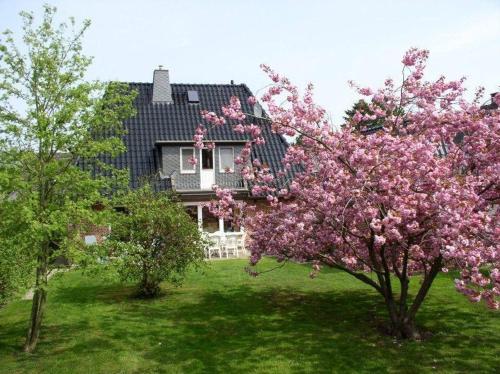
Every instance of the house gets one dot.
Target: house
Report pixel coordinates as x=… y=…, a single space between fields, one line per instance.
x=159 y=143
x=492 y=105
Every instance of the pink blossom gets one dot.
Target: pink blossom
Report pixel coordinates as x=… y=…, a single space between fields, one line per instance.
x=379 y=240
x=251 y=100
x=358 y=117
x=355 y=199
x=366 y=91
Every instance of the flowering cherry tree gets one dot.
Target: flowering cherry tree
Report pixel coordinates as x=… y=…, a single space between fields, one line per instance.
x=418 y=196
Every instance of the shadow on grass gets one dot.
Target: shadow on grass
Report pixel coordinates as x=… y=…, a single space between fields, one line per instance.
x=241 y=328
x=224 y=323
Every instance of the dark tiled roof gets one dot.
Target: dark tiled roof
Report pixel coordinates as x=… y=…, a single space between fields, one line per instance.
x=178 y=122
x=371 y=129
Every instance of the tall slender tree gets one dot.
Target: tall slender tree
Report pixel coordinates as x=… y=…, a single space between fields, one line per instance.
x=55 y=125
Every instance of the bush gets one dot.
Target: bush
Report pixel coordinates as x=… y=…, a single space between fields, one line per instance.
x=154 y=241
x=16 y=260
x=14 y=271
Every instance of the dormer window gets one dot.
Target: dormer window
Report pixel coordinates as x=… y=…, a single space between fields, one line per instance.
x=226 y=159
x=187 y=154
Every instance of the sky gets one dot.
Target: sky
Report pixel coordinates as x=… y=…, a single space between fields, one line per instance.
x=323 y=42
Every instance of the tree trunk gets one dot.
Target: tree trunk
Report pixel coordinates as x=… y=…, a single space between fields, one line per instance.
x=404 y=329
x=38 y=306
x=402 y=315
x=148 y=287
x=403 y=321
x=401 y=325
x=37 y=309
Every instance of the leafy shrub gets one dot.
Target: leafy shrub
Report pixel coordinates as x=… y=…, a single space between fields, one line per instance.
x=155 y=240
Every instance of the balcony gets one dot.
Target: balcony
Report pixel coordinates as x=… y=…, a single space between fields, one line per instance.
x=182 y=182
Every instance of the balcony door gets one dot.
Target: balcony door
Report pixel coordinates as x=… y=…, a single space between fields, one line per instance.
x=207 y=172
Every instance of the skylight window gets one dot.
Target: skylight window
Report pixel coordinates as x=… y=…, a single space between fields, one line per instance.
x=193 y=97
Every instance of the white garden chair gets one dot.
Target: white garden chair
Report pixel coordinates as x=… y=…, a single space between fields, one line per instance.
x=231 y=246
x=214 y=246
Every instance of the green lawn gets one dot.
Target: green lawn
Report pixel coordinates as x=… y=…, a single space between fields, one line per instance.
x=226 y=321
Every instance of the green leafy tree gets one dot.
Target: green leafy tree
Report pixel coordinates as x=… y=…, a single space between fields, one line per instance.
x=154 y=241
x=55 y=126
x=363 y=108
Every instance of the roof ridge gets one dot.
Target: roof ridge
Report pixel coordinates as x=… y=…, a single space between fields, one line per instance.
x=194 y=84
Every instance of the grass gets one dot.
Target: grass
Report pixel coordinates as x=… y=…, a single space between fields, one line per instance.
x=224 y=321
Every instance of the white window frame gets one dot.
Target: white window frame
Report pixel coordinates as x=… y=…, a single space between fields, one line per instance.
x=187 y=171
x=221 y=170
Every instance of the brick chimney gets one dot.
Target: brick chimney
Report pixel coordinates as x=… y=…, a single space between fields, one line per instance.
x=162 y=91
